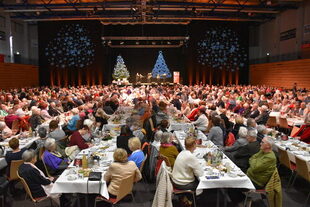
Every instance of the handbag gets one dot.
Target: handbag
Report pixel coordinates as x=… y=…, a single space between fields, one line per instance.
x=95 y=176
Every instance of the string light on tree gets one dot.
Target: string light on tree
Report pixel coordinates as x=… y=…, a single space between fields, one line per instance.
x=120 y=70
x=160 y=68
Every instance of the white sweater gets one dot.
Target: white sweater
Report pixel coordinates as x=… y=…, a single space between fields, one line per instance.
x=185 y=168
x=202 y=122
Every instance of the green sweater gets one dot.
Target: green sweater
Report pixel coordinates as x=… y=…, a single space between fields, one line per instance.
x=262 y=165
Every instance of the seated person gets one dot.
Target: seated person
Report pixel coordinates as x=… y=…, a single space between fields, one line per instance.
x=73 y=121
x=55 y=131
x=167 y=148
x=53 y=159
x=261 y=132
x=16 y=154
x=78 y=138
x=42 y=134
x=6 y=132
x=122 y=139
x=119 y=169
x=303 y=133
x=238 y=123
x=35 y=119
x=216 y=133
x=187 y=168
x=137 y=154
x=39 y=185
x=262 y=164
x=202 y=122
x=242 y=155
x=239 y=142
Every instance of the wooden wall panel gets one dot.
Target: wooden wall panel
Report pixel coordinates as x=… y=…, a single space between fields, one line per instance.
x=282 y=74
x=18 y=75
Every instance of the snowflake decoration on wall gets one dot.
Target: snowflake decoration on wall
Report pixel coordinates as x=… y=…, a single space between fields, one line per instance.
x=221 y=49
x=71 y=48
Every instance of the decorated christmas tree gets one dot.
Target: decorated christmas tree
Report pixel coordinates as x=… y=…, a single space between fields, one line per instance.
x=160 y=68
x=120 y=69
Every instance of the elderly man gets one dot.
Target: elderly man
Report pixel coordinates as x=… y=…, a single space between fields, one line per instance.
x=263 y=116
x=242 y=155
x=262 y=164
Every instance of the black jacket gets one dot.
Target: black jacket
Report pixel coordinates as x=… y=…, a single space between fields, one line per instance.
x=253 y=114
x=243 y=154
x=34 y=180
x=122 y=142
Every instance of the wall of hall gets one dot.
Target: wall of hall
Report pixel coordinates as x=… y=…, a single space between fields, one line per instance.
x=281 y=74
x=265 y=38
x=25 y=40
x=18 y=75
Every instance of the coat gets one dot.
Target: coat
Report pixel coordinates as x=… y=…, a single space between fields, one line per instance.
x=163 y=194
x=274 y=190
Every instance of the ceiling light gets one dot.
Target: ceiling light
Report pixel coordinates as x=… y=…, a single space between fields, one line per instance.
x=121 y=43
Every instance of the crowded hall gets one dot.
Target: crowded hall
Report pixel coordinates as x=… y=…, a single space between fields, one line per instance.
x=155 y=103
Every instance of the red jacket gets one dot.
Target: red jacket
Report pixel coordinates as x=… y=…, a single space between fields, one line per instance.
x=77 y=139
x=192 y=115
x=303 y=133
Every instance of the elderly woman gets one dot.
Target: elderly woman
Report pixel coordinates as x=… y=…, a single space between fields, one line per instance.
x=35 y=119
x=239 y=122
x=122 y=139
x=216 y=133
x=137 y=155
x=261 y=132
x=303 y=133
x=119 y=169
x=202 y=122
x=78 y=138
x=73 y=121
x=54 y=159
x=167 y=148
x=239 y=142
x=55 y=131
x=6 y=132
x=15 y=154
x=39 y=185
x=44 y=112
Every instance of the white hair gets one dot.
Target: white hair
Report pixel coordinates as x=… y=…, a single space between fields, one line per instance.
x=243 y=132
x=269 y=140
x=165 y=137
x=49 y=143
x=252 y=133
x=28 y=155
x=158 y=135
x=261 y=128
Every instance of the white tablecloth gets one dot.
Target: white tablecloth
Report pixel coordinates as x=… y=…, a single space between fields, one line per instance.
x=224 y=181
x=294 y=151
x=63 y=185
x=23 y=143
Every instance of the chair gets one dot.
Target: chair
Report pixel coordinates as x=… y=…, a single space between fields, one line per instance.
x=285 y=160
x=125 y=188
x=45 y=167
x=272 y=192
x=28 y=193
x=272 y=121
x=283 y=124
x=4 y=184
x=294 y=130
x=303 y=171
x=14 y=168
x=41 y=151
x=143 y=163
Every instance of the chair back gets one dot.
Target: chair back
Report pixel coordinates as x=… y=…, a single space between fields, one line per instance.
x=272 y=121
x=142 y=164
x=283 y=123
x=294 y=130
x=125 y=188
x=284 y=158
x=26 y=187
x=302 y=168
x=14 y=168
x=45 y=167
x=41 y=151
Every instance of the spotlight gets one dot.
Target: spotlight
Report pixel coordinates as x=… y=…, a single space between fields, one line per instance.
x=153 y=43
x=169 y=43
x=137 y=43
x=17 y=53
x=121 y=43
x=267 y=54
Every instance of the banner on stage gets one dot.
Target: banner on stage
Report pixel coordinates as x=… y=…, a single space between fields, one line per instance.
x=176 y=77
